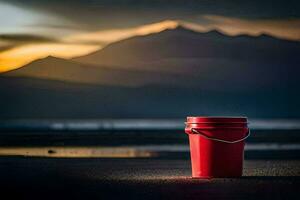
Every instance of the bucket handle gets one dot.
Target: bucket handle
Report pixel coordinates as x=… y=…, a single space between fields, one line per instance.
x=220 y=140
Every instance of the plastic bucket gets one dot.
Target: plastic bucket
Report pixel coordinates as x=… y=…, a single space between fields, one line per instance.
x=217 y=145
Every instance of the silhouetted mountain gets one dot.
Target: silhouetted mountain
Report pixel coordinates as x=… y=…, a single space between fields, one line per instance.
x=173 y=73
x=52 y=68
x=213 y=57
x=181 y=49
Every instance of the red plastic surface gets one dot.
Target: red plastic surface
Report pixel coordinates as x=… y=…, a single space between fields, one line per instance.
x=213 y=158
x=216 y=119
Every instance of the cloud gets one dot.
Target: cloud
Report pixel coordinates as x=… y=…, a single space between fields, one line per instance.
x=25 y=38
x=108 y=14
x=55 y=26
x=113 y=35
x=281 y=28
x=11 y=41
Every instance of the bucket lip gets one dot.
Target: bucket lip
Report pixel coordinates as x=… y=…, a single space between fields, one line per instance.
x=216 y=119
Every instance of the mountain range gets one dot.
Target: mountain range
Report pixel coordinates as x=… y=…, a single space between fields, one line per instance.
x=172 y=73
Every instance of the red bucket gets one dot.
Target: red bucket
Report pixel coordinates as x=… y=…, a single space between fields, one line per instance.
x=217 y=145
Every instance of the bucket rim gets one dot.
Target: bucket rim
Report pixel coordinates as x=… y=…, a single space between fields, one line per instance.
x=216 y=122
x=216 y=119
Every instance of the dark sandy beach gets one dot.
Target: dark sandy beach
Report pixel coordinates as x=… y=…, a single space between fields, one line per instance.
x=148 y=178
x=271 y=168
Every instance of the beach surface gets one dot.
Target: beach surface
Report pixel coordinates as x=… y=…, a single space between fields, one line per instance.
x=142 y=178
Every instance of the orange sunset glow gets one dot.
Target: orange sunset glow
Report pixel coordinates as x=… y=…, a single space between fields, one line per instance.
x=15 y=58
x=74 y=45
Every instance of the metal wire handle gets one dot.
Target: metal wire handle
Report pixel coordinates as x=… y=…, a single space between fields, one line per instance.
x=220 y=140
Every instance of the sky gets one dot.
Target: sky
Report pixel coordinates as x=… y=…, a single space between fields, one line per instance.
x=34 y=29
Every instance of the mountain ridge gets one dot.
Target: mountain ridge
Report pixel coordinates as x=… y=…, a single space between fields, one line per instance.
x=157 y=58
x=183 y=43
x=179 y=28
x=53 y=68
x=182 y=28
x=173 y=73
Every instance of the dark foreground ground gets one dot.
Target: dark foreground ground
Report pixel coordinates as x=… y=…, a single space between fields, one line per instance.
x=271 y=173
x=148 y=178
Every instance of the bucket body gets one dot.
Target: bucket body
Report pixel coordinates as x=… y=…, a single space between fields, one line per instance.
x=217 y=145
